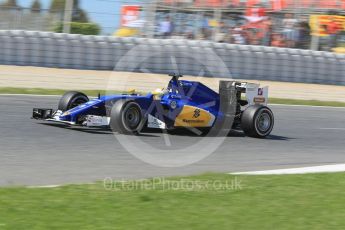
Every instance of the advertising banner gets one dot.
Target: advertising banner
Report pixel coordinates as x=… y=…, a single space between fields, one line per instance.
x=129 y=14
x=323 y=25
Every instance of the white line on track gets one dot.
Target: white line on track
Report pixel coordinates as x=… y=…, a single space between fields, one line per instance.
x=45 y=186
x=56 y=185
x=333 y=129
x=312 y=106
x=304 y=170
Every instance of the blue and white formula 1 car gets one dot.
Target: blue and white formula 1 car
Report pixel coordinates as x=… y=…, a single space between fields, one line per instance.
x=183 y=104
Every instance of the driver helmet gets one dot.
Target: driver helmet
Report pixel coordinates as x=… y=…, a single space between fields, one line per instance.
x=158 y=93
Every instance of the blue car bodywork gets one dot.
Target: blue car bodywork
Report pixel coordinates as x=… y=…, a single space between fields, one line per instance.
x=187 y=104
x=180 y=94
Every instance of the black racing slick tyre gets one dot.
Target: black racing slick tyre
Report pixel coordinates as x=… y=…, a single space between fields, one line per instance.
x=72 y=99
x=257 y=121
x=126 y=117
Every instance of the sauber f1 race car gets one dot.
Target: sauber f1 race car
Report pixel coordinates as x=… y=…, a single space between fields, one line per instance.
x=183 y=104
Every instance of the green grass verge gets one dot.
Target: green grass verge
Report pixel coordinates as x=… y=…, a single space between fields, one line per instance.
x=306 y=102
x=313 y=201
x=95 y=93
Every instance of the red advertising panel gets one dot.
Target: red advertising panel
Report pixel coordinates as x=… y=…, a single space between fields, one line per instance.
x=129 y=14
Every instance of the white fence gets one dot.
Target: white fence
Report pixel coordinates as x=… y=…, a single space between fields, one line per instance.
x=166 y=56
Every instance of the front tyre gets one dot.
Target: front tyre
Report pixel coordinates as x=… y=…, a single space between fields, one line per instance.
x=126 y=117
x=71 y=100
x=257 y=121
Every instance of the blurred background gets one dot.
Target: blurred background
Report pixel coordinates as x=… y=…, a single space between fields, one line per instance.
x=303 y=24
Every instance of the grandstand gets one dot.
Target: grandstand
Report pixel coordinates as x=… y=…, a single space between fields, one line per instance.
x=190 y=18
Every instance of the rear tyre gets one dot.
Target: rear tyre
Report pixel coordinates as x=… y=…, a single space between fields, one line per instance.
x=126 y=117
x=72 y=99
x=257 y=121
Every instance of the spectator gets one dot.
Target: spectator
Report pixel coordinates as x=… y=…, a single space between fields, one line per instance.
x=166 y=27
x=324 y=40
x=333 y=28
x=289 y=30
x=268 y=31
x=238 y=37
x=303 y=36
x=221 y=35
x=266 y=41
x=278 y=40
x=204 y=34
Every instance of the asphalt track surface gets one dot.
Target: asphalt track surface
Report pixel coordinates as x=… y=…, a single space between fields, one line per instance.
x=37 y=153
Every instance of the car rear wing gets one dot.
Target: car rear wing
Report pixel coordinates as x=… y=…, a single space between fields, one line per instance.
x=254 y=94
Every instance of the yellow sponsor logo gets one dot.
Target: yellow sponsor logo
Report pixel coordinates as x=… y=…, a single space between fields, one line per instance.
x=259 y=100
x=319 y=23
x=191 y=116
